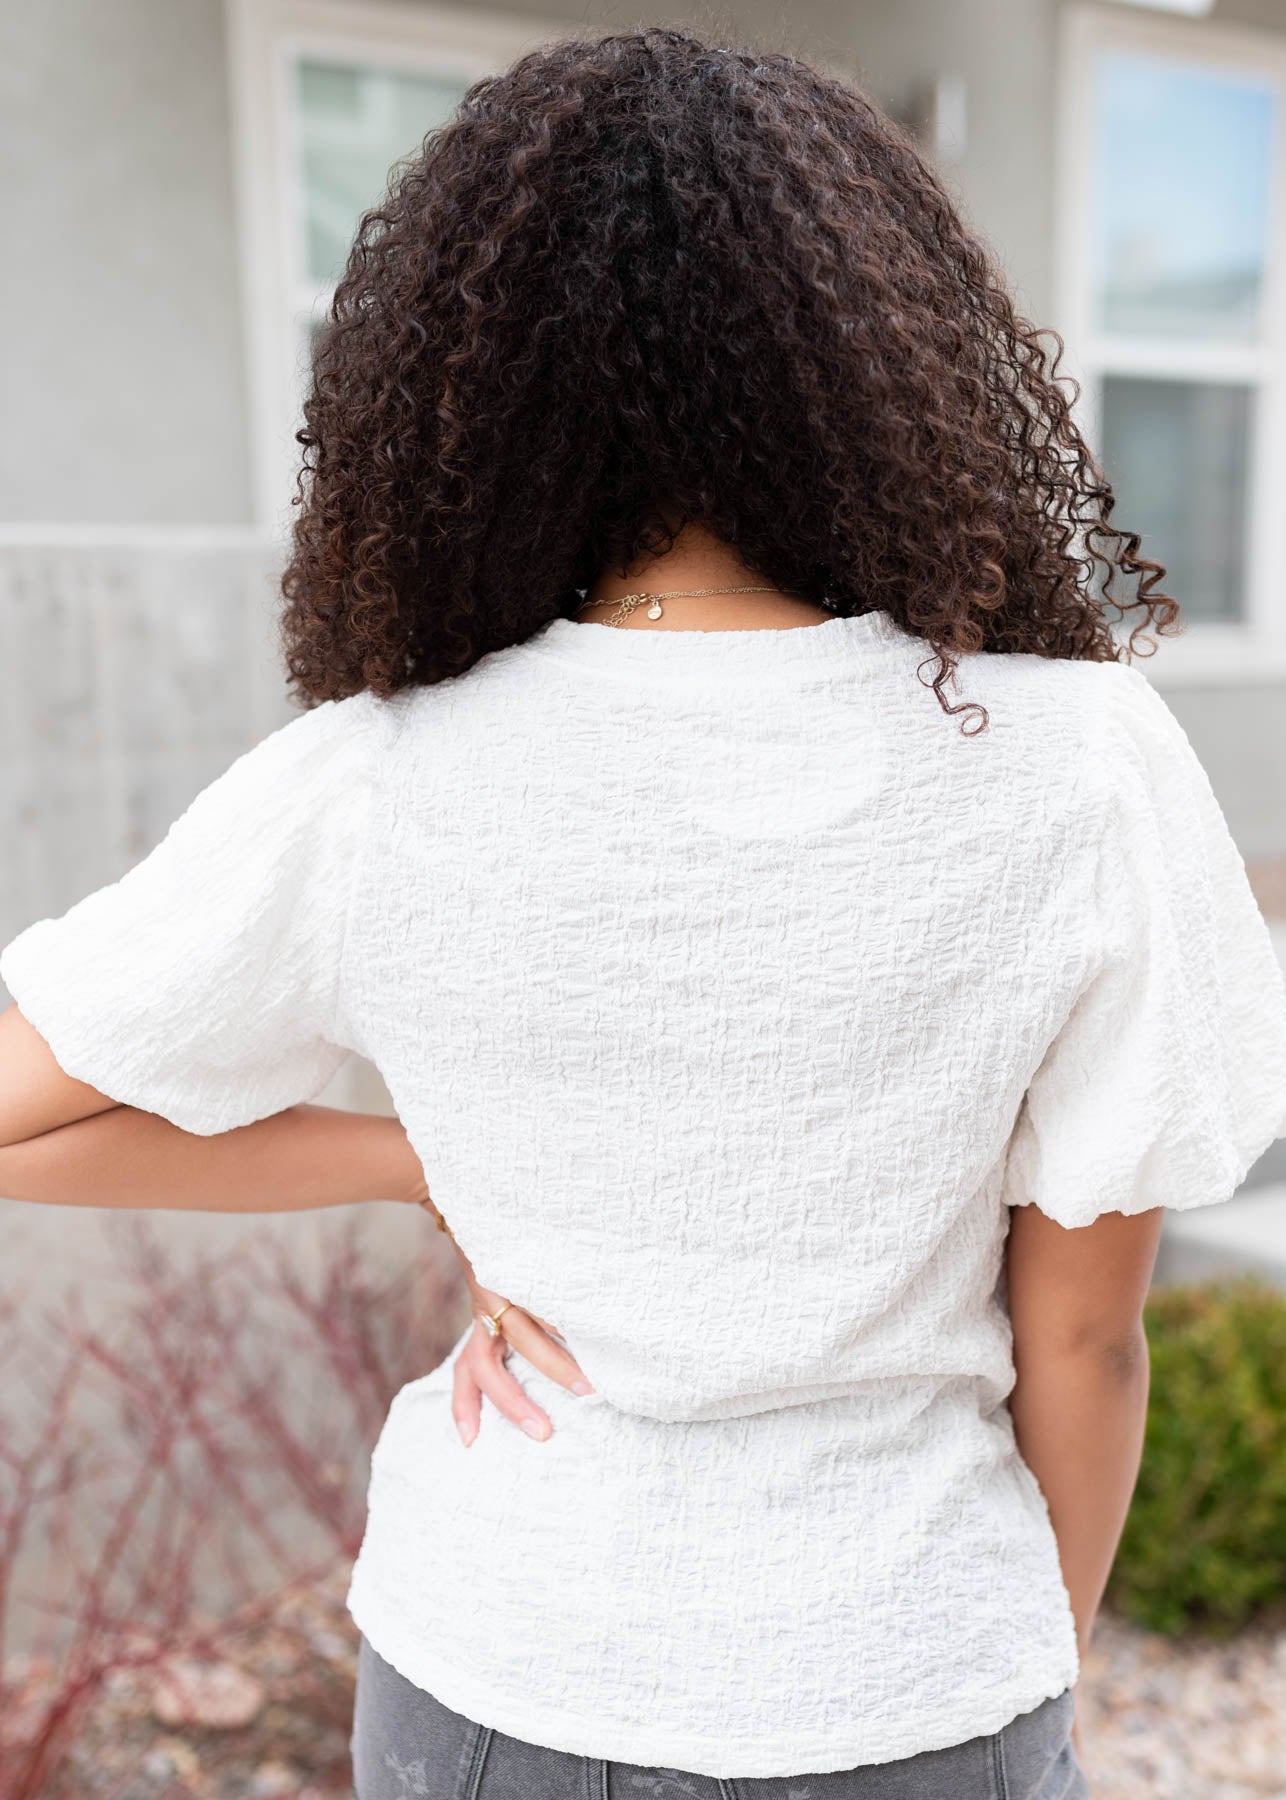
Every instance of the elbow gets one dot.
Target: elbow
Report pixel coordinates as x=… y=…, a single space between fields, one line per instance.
x=1123 y=1356
x=1117 y=1353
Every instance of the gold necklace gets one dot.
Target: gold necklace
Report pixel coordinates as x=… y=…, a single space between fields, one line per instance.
x=629 y=602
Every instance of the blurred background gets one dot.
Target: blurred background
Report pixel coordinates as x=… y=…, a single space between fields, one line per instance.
x=181 y=180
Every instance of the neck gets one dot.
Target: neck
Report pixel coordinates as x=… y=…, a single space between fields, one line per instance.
x=697 y=559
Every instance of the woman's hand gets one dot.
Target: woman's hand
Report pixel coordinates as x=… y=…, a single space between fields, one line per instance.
x=482 y=1366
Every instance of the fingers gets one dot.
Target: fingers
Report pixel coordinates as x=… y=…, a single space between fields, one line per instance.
x=481 y=1369
x=529 y=1340
x=533 y=1337
x=466 y=1400
x=508 y=1396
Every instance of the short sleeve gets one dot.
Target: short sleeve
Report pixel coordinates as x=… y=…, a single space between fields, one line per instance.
x=204 y=984
x=1167 y=1079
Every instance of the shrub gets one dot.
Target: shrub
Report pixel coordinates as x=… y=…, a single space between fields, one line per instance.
x=166 y=1485
x=1205 y=1541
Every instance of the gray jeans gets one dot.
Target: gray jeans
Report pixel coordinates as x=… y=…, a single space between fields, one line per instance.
x=408 y=1746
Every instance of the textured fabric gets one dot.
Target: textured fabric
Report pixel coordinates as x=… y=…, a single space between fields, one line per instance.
x=731 y=996
x=407 y=1744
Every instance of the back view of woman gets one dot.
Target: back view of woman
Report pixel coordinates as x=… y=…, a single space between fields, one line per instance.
x=804 y=955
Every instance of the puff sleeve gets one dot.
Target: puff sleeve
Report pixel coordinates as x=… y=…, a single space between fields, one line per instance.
x=204 y=985
x=1167 y=1079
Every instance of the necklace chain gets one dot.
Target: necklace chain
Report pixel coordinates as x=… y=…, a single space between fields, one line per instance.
x=629 y=602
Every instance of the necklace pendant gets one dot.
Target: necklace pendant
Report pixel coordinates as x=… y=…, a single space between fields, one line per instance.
x=654 y=611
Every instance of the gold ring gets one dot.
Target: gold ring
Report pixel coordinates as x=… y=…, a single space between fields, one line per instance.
x=492 y=1320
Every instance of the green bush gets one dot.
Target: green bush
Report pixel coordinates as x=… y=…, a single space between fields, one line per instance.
x=1205 y=1541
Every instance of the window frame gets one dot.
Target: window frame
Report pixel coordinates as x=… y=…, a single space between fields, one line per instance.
x=1208 y=652
x=266 y=39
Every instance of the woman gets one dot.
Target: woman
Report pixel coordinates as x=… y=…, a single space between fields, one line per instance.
x=801 y=992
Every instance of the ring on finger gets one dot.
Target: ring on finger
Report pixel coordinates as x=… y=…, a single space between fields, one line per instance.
x=491 y=1321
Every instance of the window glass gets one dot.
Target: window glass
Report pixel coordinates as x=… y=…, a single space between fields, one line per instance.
x=1182 y=205
x=1176 y=453
x=354 y=124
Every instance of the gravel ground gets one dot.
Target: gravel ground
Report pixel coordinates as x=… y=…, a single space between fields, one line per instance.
x=1161 y=1720
x=1185 y=1720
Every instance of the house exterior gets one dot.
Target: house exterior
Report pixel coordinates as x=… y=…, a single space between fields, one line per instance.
x=184 y=177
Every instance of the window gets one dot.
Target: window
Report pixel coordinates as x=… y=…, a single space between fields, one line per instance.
x=1171 y=267
x=352 y=123
x=328 y=95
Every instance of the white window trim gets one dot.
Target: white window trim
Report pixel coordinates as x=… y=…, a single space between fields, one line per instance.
x=265 y=40
x=1205 y=653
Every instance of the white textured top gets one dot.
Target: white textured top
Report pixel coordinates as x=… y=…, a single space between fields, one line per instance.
x=730 y=995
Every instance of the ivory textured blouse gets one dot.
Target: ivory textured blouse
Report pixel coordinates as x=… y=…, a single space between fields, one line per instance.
x=731 y=996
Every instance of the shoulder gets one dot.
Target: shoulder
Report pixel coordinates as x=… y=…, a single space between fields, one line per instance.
x=492 y=700
x=1133 y=775
x=1097 y=709
x=330 y=748
x=1136 y=748
x=362 y=723
x=1034 y=682
x=1090 y=742
x=310 y=776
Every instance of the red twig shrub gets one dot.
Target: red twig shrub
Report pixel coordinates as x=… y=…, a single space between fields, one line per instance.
x=165 y=1481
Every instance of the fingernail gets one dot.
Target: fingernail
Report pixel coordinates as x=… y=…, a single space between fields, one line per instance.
x=581 y=1387
x=467 y=1437
x=534 y=1429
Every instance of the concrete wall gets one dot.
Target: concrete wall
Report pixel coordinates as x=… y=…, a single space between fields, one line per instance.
x=1239 y=732
x=129 y=678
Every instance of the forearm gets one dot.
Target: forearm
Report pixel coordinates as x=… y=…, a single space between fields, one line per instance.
x=1079 y=1418
x=307 y=1156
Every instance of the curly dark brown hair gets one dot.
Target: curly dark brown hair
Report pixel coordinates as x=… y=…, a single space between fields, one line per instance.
x=638 y=279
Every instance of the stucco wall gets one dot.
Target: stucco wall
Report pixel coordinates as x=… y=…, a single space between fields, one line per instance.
x=1004 y=49
x=120 y=313
x=1268 y=15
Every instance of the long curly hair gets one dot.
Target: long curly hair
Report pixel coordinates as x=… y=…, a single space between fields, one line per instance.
x=638 y=279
